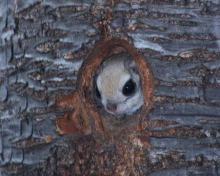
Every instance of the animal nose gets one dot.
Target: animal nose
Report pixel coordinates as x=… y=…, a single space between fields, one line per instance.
x=111 y=107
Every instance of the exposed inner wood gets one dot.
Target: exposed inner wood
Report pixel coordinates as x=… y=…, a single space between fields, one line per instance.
x=42 y=48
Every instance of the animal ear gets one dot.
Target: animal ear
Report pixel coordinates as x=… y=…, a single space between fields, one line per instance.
x=131 y=65
x=101 y=67
x=99 y=70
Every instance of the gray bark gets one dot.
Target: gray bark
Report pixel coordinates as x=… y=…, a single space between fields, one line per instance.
x=42 y=47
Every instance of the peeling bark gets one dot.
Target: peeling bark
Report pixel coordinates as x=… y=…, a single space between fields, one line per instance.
x=42 y=47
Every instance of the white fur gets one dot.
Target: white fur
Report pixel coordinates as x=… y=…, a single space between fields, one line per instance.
x=110 y=82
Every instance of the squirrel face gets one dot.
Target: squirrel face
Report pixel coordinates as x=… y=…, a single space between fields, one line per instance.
x=118 y=85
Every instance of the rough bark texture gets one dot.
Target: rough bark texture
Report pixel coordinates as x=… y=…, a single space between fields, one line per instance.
x=42 y=46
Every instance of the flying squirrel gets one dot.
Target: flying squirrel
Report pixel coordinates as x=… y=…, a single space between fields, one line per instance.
x=118 y=85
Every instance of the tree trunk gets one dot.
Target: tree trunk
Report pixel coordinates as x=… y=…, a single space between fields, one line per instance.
x=42 y=47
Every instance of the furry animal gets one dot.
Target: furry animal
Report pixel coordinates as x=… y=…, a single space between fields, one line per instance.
x=118 y=85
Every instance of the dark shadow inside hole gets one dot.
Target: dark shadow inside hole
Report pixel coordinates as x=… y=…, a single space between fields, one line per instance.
x=117 y=86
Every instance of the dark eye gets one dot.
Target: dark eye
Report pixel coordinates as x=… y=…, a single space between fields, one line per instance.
x=129 y=88
x=98 y=95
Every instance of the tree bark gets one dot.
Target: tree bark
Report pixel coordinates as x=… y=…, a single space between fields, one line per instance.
x=42 y=47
